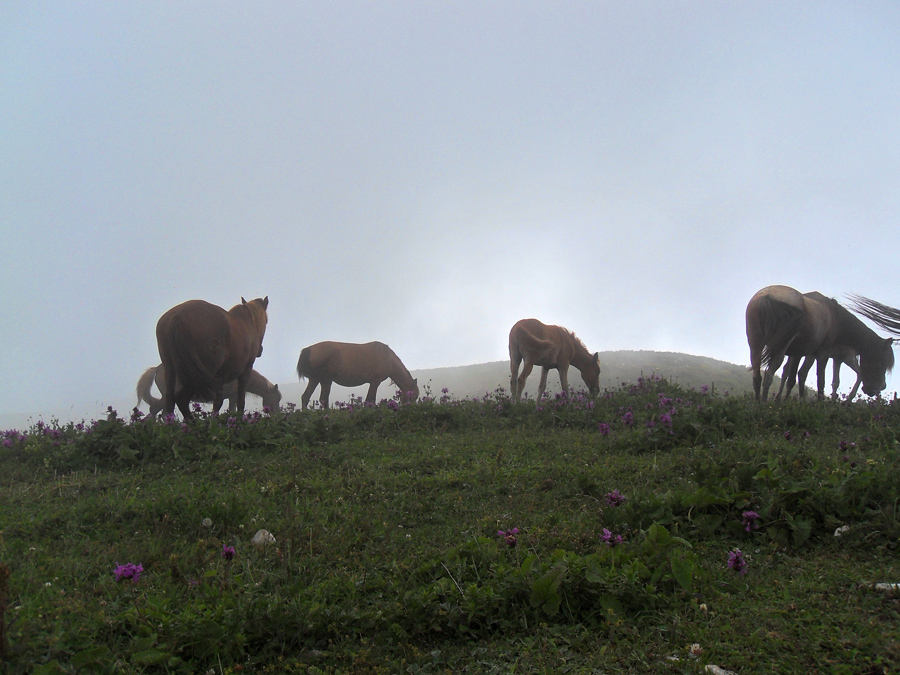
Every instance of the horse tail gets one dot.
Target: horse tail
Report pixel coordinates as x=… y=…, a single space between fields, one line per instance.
x=303 y=369
x=143 y=390
x=188 y=364
x=779 y=322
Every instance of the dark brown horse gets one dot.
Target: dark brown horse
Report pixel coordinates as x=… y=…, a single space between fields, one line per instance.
x=203 y=347
x=256 y=385
x=840 y=355
x=549 y=347
x=352 y=365
x=783 y=322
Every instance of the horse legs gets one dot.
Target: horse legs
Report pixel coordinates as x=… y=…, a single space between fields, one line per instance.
x=821 y=367
x=310 y=388
x=755 y=361
x=183 y=400
x=373 y=392
x=564 y=378
x=526 y=371
x=804 y=371
x=543 y=384
x=514 y=391
x=771 y=369
x=789 y=377
x=324 y=393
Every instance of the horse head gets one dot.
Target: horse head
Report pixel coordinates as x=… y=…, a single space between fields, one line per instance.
x=411 y=395
x=272 y=399
x=591 y=374
x=874 y=365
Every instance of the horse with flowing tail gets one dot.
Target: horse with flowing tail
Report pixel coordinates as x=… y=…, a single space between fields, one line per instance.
x=352 y=365
x=794 y=373
x=781 y=322
x=203 y=347
x=256 y=385
x=549 y=347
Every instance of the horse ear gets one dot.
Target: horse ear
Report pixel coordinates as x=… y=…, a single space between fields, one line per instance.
x=275 y=388
x=597 y=357
x=266 y=302
x=243 y=302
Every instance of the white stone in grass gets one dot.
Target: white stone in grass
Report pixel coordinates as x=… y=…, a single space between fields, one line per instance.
x=716 y=670
x=262 y=538
x=842 y=530
x=890 y=588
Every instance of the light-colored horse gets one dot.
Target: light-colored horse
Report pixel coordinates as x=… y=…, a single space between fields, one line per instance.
x=549 y=347
x=352 y=365
x=840 y=355
x=781 y=322
x=203 y=347
x=256 y=385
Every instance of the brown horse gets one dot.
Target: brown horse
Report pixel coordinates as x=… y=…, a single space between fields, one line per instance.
x=840 y=355
x=256 y=385
x=203 y=347
x=549 y=347
x=351 y=365
x=783 y=322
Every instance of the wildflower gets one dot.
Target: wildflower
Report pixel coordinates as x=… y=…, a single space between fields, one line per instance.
x=737 y=562
x=128 y=571
x=608 y=537
x=206 y=522
x=196 y=407
x=750 y=518
x=509 y=536
x=628 y=418
x=787 y=435
x=615 y=498
x=227 y=552
x=704 y=389
x=136 y=415
x=604 y=429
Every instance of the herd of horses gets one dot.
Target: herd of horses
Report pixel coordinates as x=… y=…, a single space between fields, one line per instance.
x=207 y=353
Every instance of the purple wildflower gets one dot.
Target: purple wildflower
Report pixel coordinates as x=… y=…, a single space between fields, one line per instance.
x=628 y=418
x=509 y=536
x=128 y=571
x=615 y=498
x=608 y=537
x=604 y=428
x=136 y=415
x=227 y=552
x=737 y=562
x=750 y=518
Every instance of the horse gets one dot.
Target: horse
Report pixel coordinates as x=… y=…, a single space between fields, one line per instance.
x=256 y=385
x=840 y=355
x=351 y=365
x=781 y=322
x=549 y=347
x=203 y=347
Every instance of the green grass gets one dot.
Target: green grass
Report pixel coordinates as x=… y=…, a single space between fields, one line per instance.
x=387 y=557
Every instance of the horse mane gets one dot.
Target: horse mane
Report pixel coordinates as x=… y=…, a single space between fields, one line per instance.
x=885 y=316
x=577 y=340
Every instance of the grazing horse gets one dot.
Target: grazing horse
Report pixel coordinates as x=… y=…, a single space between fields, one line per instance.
x=256 y=385
x=351 y=365
x=840 y=355
x=783 y=322
x=203 y=347
x=549 y=347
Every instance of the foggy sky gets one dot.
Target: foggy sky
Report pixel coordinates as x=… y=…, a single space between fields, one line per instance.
x=426 y=174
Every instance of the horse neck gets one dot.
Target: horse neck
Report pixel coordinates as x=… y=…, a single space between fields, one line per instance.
x=854 y=332
x=257 y=384
x=581 y=357
x=399 y=374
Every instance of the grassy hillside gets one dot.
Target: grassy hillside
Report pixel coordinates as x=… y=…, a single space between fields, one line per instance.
x=653 y=529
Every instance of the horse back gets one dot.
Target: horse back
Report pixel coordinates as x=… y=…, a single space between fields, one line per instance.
x=544 y=345
x=348 y=364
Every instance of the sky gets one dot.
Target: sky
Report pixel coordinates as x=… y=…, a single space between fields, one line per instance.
x=425 y=174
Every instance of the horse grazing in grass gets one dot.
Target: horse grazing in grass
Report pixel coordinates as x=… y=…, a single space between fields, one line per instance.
x=256 y=385
x=549 y=347
x=840 y=355
x=352 y=365
x=783 y=322
x=203 y=347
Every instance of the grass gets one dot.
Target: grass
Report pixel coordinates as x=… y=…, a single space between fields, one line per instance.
x=388 y=558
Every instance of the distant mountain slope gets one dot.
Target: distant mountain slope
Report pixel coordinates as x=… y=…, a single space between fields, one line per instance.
x=474 y=380
x=615 y=368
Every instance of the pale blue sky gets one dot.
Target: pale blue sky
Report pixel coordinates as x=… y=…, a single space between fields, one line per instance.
x=425 y=174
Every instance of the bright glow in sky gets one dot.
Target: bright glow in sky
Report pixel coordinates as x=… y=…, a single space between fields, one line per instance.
x=425 y=174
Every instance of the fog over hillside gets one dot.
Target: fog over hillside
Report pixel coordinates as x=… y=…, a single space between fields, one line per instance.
x=616 y=367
